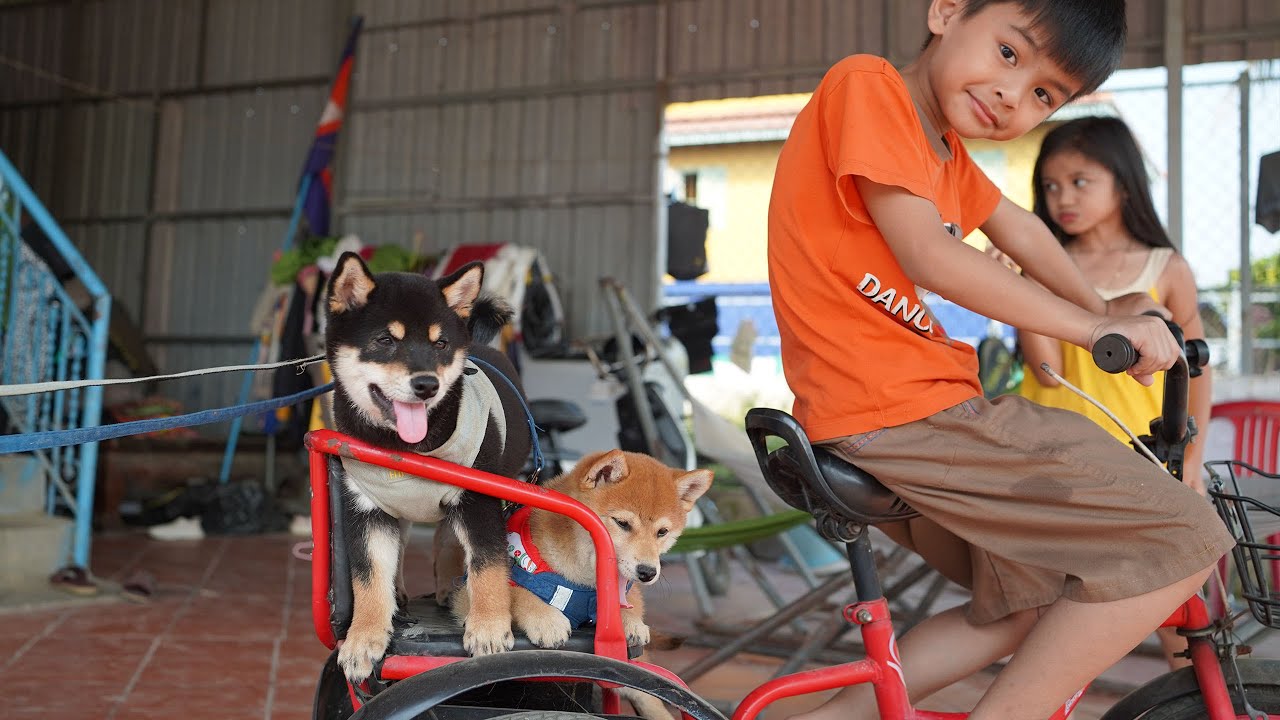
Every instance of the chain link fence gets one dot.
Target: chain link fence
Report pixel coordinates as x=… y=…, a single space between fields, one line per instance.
x=1218 y=201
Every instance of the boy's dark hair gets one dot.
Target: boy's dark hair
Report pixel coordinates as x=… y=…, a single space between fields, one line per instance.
x=1085 y=37
x=1108 y=142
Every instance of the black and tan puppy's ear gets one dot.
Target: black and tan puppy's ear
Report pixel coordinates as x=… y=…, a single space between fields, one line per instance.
x=350 y=285
x=607 y=468
x=691 y=486
x=463 y=287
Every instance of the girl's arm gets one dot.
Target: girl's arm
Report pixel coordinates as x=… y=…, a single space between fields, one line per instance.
x=1177 y=286
x=1038 y=349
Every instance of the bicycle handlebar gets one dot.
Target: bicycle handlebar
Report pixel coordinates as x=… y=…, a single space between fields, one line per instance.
x=1115 y=354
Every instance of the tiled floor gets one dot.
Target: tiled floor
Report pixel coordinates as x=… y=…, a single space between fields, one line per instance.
x=228 y=635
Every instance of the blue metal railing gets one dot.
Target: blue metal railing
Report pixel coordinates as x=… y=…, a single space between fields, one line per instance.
x=45 y=335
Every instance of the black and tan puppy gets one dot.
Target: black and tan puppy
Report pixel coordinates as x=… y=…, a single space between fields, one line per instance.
x=398 y=345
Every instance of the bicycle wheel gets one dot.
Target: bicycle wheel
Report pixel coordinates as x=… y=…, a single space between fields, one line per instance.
x=1264 y=698
x=1177 y=694
x=545 y=715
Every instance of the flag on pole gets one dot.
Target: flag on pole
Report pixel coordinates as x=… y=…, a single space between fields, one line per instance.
x=317 y=203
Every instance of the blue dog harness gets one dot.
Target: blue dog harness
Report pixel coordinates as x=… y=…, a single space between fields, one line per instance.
x=531 y=572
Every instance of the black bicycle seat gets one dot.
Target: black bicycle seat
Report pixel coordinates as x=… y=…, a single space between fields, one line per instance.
x=557 y=415
x=816 y=480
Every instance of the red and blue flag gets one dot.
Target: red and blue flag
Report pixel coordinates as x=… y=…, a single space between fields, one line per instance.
x=318 y=202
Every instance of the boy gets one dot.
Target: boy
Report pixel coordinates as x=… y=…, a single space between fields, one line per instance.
x=1075 y=548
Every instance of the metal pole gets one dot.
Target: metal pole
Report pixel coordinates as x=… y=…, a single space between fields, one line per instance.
x=1174 y=43
x=1246 y=228
x=635 y=382
x=233 y=435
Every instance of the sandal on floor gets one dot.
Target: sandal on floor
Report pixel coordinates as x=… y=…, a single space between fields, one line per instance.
x=73 y=579
x=139 y=587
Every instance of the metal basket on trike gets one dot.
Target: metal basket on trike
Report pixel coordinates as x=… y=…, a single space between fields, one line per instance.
x=1235 y=487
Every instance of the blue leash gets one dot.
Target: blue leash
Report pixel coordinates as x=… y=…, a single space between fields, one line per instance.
x=79 y=436
x=533 y=428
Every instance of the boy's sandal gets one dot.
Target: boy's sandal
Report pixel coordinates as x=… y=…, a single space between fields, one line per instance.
x=139 y=587
x=74 y=579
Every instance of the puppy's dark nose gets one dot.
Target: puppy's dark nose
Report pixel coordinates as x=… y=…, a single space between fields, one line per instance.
x=645 y=573
x=424 y=386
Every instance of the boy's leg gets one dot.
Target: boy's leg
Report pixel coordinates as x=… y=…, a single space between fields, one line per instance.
x=930 y=661
x=1071 y=644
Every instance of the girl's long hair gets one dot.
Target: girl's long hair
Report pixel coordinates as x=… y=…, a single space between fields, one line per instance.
x=1108 y=142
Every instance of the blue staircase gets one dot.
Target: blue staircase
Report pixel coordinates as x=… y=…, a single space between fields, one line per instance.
x=49 y=334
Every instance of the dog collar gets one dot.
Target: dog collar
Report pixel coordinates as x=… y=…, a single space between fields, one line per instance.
x=530 y=571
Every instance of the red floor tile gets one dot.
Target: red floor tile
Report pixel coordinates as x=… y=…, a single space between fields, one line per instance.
x=124 y=618
x=182 y=662
x=58 y=698
x=158 y=701
x=106 y=659
x=230 y=616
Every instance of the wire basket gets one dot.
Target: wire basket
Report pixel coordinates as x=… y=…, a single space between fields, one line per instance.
x=1256 y=528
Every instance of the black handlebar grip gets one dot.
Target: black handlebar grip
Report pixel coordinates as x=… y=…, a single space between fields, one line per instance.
x=1114 y=353
x=1197 y=354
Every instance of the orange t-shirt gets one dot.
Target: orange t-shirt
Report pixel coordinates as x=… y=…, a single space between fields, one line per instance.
x=859 y=349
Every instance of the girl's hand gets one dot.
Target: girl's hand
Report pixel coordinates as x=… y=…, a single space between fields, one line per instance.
x=1157 y=349
x=1138 y=303
x=999 y=256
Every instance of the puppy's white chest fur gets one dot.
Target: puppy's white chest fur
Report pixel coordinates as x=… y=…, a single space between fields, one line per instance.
x=409 y=497
x=398 y=494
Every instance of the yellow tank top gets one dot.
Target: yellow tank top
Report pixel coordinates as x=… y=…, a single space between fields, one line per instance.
x=1134 y=404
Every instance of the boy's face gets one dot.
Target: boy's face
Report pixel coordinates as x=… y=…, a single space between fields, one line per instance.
x=989 y=74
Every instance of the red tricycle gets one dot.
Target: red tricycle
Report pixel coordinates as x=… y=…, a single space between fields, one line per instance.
x=427 y=674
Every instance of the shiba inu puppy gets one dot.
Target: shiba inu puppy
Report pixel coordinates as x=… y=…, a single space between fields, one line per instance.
x=643 y=503
x=401 y=348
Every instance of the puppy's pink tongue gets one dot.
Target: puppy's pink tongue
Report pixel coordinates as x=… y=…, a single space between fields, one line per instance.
x=622 y=591
x=411 y=421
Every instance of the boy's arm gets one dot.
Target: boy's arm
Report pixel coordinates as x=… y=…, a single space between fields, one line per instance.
x=933 y=259
x=1023 y=236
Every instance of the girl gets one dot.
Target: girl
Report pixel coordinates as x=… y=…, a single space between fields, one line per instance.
x=1091 y=190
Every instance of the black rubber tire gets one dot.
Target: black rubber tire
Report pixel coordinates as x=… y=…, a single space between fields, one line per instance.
x=545 y=715
x=332 y=702
x=420 y=694
x=1264 y=698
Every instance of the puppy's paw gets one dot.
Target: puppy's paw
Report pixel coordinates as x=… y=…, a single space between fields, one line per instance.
x=486 y=636
x=547 y=629
x=636 y=631
x=360 y=651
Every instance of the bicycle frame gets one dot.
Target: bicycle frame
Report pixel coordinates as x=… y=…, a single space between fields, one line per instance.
x=883 y=668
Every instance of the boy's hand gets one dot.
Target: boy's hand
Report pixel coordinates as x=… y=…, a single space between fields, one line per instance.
x=1138 y=303
x=1157 y=349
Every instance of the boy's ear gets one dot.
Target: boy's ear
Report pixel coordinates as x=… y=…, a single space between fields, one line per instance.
x=350 y=285
x=941 y=13
x=691 y=486
x=463 y=287
x=608 y=468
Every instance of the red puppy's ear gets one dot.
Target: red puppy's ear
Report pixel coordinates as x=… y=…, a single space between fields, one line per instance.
x=609 y=468
x=691 y=486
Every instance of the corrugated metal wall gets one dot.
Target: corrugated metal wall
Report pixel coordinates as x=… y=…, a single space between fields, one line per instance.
x=168 y=136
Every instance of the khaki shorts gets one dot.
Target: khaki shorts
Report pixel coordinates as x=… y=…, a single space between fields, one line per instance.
x=1024 y=504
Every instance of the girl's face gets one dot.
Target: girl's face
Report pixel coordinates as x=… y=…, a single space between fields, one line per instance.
x=1079 y=192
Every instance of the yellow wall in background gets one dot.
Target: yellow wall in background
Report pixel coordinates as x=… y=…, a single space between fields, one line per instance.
x=736 y=240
